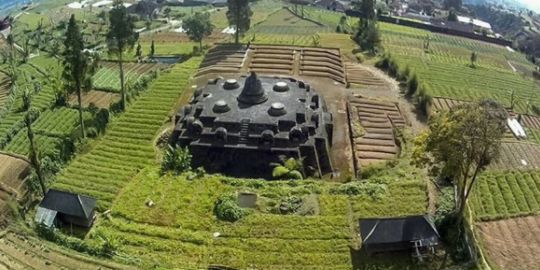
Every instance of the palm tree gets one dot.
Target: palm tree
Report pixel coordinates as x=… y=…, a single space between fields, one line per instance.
x=288 y=168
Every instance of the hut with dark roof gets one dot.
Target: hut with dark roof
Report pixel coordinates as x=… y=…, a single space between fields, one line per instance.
x=60 y=206
x=411 y=233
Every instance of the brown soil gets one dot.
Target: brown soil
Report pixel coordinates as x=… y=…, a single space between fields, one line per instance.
x=513 y=243
x=100 y=98
x=360 y=75
x=18 y=252
x=531 y=121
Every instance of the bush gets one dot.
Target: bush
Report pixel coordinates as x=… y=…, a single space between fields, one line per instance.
x=412 y=86
x=423 y=101
x=290 y=204
x=176 y=159
x=226 y=208
x=404 y=74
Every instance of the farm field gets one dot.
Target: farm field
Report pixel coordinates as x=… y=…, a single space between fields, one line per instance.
x=512 y=242
x=108 y=76
x=504 y=194
x=264 y=239
x=286 y=22
x=446 y=70
x=101 y=99
x=127 y=145
x=19 y=252
x=5 y=83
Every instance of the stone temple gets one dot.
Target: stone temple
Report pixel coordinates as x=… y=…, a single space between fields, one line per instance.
x=239 y=127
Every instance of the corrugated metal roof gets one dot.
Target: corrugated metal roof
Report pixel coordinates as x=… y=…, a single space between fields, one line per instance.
x=45 y=216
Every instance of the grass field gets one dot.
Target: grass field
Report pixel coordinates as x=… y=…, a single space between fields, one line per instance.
x=178 y=230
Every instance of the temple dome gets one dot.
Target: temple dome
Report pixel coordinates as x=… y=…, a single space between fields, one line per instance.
x=253 y=92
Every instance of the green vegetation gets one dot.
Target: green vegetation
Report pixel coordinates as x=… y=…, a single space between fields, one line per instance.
x=500 y=195
x=128 y=142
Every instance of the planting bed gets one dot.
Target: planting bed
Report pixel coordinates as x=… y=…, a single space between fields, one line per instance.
x=174 y=37
x=441 y=103
x=223 y=59
x=322 y=63
x=19 y=252
x=100 y=98
x=512 y=242
x=360 y=76
x=518 y=155
x=531 y=121
x=272 y=59
x=137 y=68
x=372 y=126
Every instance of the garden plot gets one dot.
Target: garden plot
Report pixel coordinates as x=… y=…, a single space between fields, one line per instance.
x=20 y=252
x=223 y=59
x=5 y=84
x=504 y=194
x=518 y=155
x=101 y=99
x=13 y=171
x=359 y=76
x=531 y=121
x=108 y=76
x=174 y=37
x=322 y=63
x=441 y=103
x=138 y=68
x=272 y=59
x=512 y=242
x=372 y=126
x=284 y=22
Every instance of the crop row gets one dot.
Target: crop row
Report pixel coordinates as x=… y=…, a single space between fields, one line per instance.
x=512 y=193
x=128 y=143
x=109 y=78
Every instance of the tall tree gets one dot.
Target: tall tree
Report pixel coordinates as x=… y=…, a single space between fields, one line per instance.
x=239 y=15
x=79 y=66
x=198 y=26
x=33 y=151
x=460 y=142
x=121 y=38
x=152 y=49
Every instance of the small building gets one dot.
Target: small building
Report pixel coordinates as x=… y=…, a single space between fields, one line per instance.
x=60 y=206
x=478 y=25
x=411 y=233
x=335 y=5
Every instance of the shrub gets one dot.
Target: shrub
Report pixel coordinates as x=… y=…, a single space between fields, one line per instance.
x=226 y=208
x=290 y=204
x=176 y=159
x=383 y=63
x=412 y=86
x=423 y=101
x=404 y=74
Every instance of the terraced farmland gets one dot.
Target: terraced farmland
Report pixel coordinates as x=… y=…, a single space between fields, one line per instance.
x=359 y=76
x=372 y=125
x=446 y=70
x=518 y=155
x=13 y=172
x=19 y=252
x=108 y=77
x=127 y=146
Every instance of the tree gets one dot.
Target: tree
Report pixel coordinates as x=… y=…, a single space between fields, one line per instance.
x=198 y=26
x=473 y=59
x=138 y=52
x=367 y=8
x=167 y=13
x=238 y=15
x=148 y=24
x=120 y=38
x=34 y=153
x=456 y=4
x=460 y=142
x=368 y=35
x=288 y=169
x=152 y=49
x=452 y=16
x=79 y=66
